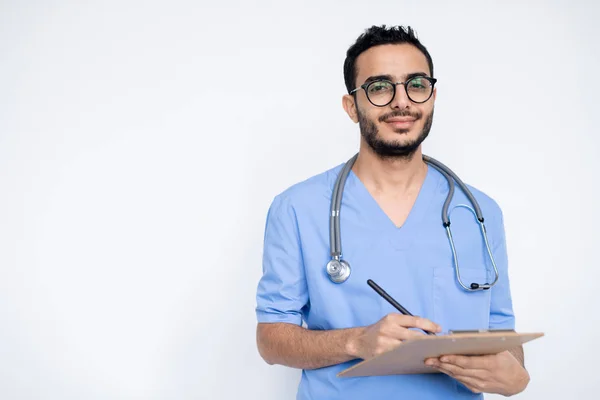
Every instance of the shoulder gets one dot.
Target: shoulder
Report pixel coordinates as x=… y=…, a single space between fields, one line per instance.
x=490 y=208
x=306 y=194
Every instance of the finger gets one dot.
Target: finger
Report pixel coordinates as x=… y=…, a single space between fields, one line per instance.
x=474 y=384
x=399 y=332
x=411 y=333
x=469 y=362
x=432 y=362
x=460 y=371
x=450 y=369
x=411 y=321
x=472 y=388
x=398 y=328
x=445 y=371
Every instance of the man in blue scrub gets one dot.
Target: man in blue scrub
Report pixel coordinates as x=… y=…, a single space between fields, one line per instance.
x=392 y=233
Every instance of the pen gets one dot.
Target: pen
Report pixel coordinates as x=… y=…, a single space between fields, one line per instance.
x=391 y=300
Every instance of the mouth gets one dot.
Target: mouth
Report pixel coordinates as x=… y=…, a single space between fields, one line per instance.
x=400 y=122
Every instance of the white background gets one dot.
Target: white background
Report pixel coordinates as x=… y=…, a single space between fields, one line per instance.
x=142 y=143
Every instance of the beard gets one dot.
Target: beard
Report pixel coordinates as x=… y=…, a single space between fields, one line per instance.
x=393 y=149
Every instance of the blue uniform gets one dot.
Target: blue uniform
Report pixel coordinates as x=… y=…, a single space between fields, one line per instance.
x=414 y=264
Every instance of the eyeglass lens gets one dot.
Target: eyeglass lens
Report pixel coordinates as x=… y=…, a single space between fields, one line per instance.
x=381 y=93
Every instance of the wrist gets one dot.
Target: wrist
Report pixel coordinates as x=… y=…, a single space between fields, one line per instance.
x=351 y=347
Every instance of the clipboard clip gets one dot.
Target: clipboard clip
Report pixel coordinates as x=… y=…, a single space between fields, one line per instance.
x=453 y=332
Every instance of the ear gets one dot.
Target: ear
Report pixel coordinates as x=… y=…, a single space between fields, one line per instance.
x=350 y=107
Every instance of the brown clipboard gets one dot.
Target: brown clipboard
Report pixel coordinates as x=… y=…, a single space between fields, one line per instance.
x=409 y=357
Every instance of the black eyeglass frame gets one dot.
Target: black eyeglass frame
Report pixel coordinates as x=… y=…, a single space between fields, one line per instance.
x=365 y=87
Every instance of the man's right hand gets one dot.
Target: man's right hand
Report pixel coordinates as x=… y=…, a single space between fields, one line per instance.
x=388 y=333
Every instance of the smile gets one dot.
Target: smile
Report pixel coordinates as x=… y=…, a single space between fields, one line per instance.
x=400 y=123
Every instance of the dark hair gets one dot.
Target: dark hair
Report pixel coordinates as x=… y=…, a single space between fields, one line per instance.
x=378 y=35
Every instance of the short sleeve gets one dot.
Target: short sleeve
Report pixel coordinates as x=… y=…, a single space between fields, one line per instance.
x=501 y=311
x=282 y=292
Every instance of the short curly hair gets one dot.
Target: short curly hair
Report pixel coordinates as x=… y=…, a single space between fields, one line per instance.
x=378 y=35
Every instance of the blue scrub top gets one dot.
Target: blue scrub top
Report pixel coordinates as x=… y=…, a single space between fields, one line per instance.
x=414 y=264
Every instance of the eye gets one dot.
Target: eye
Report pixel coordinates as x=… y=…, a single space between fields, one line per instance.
x=418 y=84
x=380 y=87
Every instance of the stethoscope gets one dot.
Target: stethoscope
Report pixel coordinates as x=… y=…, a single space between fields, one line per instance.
x=338 y=269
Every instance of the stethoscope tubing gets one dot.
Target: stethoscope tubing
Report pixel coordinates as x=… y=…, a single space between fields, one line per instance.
x=451 y=177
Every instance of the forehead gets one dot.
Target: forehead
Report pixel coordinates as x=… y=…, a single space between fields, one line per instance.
x=396 y=60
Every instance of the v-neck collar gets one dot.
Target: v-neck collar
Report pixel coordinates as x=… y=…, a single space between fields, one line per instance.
x=399 y=236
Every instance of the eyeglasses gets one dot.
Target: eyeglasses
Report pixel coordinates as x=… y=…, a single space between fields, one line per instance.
x=381 y=92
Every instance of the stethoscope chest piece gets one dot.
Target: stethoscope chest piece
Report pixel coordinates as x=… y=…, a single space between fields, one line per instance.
x=338 y=270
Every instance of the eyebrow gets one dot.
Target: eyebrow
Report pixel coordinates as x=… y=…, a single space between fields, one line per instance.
x=391 y=78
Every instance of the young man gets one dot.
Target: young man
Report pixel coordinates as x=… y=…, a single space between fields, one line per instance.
x=392 y=233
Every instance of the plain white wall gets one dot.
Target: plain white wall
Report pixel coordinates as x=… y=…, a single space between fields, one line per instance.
x=141 y=144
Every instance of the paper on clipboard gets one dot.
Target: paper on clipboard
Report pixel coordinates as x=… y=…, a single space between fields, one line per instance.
x=410 y=356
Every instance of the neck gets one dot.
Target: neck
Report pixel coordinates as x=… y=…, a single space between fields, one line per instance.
x=390 y=176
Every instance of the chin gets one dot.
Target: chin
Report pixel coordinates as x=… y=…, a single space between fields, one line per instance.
x=401 y=135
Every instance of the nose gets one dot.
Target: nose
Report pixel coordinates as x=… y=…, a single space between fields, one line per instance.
x=400 y=100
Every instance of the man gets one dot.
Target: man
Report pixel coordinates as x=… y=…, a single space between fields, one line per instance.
x=392 y=233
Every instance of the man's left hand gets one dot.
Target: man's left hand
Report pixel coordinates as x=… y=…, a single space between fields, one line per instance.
x=498 y=373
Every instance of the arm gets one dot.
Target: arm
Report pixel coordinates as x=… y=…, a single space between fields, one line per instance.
x=501 y=313
x=282 y=296
x=297 y=347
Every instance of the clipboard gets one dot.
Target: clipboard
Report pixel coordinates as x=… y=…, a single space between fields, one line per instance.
x=409 y=357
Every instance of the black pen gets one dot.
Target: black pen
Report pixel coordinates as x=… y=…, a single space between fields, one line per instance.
x=391 y=300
